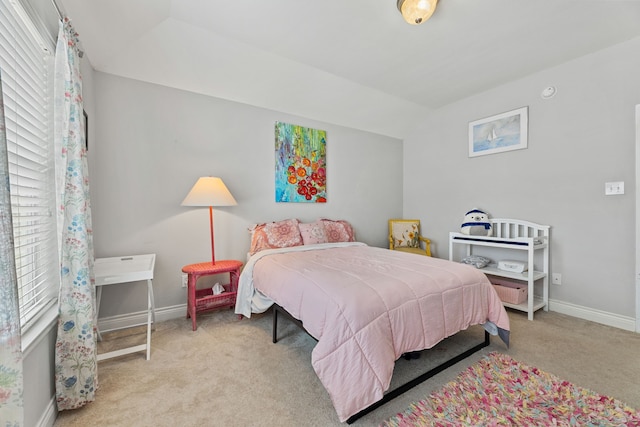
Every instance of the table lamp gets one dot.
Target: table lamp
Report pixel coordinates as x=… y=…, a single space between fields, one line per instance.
x=209 y=191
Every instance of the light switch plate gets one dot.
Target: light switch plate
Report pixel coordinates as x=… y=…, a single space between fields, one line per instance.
x=613 y=188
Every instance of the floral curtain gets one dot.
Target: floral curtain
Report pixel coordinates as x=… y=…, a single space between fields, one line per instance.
x=76 y=348
x=11 y=406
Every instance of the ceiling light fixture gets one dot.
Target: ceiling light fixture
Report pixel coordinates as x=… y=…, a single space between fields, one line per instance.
x=415 y=12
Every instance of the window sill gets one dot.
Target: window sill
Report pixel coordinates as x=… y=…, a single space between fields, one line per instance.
x=39 y=329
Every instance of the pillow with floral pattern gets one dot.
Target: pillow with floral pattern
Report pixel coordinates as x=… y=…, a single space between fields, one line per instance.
x=338 y=231
x=406 y=234
x=272 y=235
x=313 y=233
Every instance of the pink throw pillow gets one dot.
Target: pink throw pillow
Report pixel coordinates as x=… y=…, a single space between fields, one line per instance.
x=280 y=234
x=338 y=231
x=313 y=233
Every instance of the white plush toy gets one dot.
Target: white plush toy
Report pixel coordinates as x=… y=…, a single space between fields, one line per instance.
x=476 y=223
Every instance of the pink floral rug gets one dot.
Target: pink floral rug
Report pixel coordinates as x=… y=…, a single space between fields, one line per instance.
x=499 y=391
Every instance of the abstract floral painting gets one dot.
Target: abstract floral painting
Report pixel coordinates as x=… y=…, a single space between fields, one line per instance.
x=301 y=164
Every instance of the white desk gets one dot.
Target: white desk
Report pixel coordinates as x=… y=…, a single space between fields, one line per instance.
x=126 y=269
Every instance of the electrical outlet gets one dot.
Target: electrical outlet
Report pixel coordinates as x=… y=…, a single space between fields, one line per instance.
x=185 y=279
x=556 y=278
x=613 y=188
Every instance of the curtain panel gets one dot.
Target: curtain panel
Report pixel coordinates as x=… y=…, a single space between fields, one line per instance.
x=11 y=379
x=76 y=374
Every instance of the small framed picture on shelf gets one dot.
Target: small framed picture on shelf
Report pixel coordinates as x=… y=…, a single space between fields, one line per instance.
x=499 y=133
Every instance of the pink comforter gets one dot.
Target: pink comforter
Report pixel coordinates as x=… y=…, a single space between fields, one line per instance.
x=367 y=306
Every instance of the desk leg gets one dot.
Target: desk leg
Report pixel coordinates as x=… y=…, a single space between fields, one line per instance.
x=234 y=276
x=191 y=299
x=153 y=303
x=98 y=297
x=233 y=279
x=150 y=315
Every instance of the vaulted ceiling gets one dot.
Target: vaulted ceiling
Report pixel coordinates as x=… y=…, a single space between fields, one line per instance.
x=350 y=62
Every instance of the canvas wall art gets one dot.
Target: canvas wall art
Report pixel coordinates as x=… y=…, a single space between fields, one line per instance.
x=499 y=133
x=301 y=164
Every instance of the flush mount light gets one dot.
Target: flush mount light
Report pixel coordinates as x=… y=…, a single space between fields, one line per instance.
x=415 y=12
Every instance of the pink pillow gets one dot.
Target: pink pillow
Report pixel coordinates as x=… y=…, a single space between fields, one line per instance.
x=281 y=234
x=313 y=233
x=338 y=231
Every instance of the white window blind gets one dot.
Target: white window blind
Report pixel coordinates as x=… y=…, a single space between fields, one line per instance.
x=26 y=64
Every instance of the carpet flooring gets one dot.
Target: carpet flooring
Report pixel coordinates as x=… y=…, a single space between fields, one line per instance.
x=229 y=373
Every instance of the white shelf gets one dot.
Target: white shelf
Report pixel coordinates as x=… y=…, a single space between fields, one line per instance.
x=511 y=234
x=538 y=303
x=510 y=275
x=521 y=243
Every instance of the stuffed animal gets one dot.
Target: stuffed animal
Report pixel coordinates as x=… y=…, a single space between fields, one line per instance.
x=476 y=223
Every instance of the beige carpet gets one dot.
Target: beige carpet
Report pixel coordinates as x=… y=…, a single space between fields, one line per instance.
x=228 y=373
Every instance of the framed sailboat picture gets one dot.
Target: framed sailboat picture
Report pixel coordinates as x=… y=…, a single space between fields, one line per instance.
x=499 y=133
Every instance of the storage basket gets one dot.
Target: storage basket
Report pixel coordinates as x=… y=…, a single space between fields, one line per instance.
x=205 y=300
x=510 y=292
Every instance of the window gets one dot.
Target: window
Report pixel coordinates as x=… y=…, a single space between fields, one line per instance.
x=26 y=64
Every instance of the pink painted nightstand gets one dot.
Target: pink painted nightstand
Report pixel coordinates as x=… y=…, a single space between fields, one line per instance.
x=199 y=300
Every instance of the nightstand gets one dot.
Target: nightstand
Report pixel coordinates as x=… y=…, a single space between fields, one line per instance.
x=199 y=300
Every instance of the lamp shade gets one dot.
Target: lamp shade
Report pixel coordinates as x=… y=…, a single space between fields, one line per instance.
x=209 y=191
x=415 y=12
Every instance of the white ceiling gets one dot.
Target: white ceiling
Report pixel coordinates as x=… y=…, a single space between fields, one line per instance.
x=350 y=62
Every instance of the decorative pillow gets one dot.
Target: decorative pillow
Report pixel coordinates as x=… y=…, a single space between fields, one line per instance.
x=476 y=260
x=313 y=233
x=281 y=234
x=405 y=234
x=338 y=231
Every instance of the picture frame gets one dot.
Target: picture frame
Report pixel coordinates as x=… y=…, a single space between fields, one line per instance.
x=301 y=164
x=507 y=131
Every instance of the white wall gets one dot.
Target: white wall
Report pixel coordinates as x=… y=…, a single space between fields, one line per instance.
x=151 y=144
x=578 y=140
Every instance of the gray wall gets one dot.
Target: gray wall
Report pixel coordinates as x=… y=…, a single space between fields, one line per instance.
x=578 y=140
x=153 y=142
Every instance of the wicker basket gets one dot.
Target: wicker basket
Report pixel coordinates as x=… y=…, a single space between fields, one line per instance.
x=205 y=300
x=510 y=292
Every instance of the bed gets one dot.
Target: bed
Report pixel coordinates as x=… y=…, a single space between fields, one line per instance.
x=366 y=307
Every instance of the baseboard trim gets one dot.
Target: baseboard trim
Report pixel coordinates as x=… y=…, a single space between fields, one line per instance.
x=129 y=320
x=49 y=416
x=598 y=316
x=174 y=312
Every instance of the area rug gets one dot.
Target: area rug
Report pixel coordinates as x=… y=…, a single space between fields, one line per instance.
x=499 y=391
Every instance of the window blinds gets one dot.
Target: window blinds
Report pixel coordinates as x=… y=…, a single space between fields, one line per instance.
x=26 y=64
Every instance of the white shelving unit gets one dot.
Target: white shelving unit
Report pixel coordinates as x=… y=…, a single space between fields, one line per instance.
x=515 y=235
